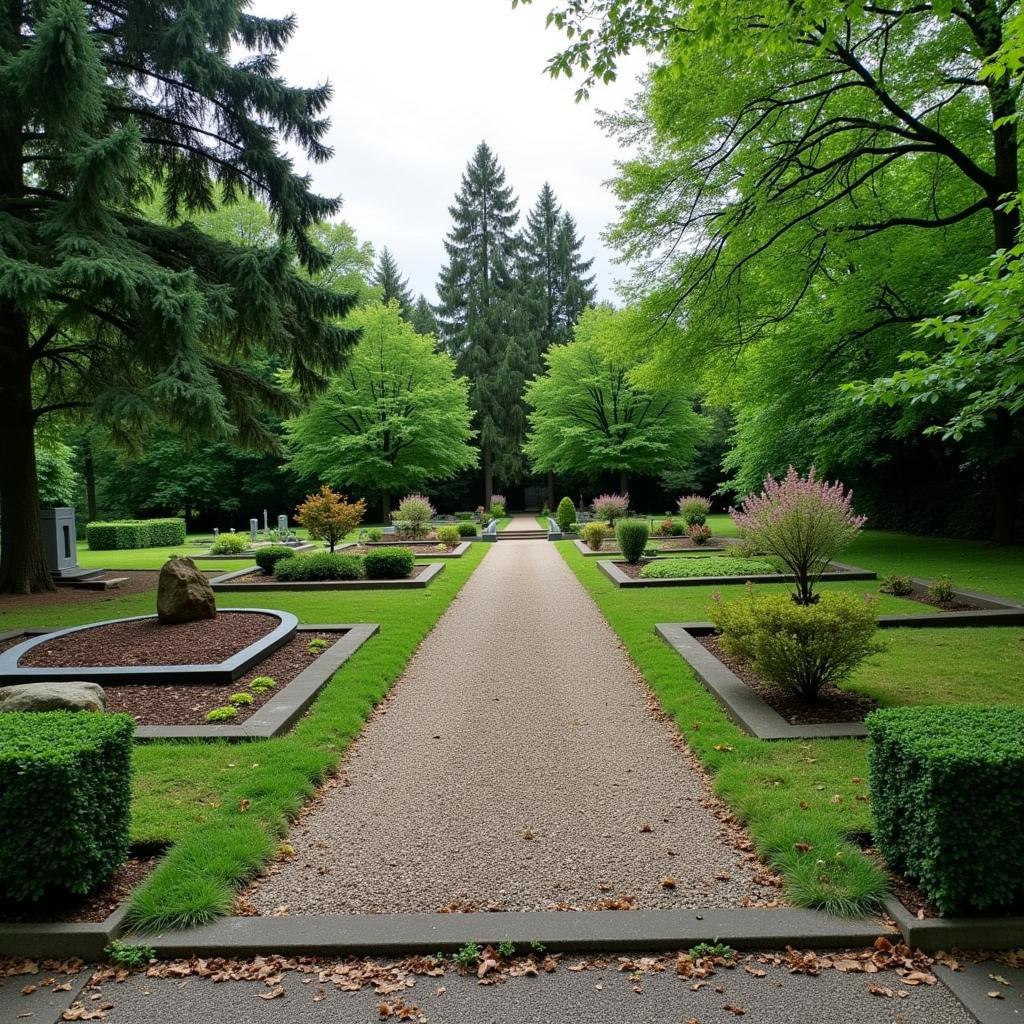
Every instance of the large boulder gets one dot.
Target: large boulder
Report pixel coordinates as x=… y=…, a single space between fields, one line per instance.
x=53 y=696
x=184 y=594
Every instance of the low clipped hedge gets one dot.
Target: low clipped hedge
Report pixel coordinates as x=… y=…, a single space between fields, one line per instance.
x=319 y=565
x=124 y=534
x=267 y=558
x=948 y=802
x=632 y=536
x=705 y=565
x=65 y=798
x=389 y=564
x=466 y=528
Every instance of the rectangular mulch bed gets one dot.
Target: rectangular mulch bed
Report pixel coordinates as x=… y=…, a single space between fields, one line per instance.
x=259 y=576
x=833 y=704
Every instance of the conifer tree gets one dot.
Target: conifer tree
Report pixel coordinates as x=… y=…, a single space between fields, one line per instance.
x=388 y=278
x=560 y=285
x=423 y=320
x=100 y=306
x=479 y=316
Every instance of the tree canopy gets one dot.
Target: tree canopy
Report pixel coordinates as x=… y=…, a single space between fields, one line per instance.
x=396 y=418
x=590 y=418
x=101 y=307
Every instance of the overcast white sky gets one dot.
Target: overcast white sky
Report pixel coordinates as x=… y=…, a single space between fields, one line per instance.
x=417 y=84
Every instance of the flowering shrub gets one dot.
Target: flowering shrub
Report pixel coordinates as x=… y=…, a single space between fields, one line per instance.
x=329 y=516
x=413 y=515
x=609 y=507
x=804 y=521
x=694 y=509
x=699 y=534
x=498 y=505
x=798 y=647
x=595 y=534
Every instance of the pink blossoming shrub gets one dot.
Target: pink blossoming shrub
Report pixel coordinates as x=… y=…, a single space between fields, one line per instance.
x=609 y=507
x=804 y=521
x=498 y=506
x=694 y=509
x=413 y=516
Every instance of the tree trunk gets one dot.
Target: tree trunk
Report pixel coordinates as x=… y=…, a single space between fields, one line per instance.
x=23 y=567
x=488 y=478
x=89 y=470
x=385 y=506
x=1005 y=478
x=623 y=482
x=551 y=492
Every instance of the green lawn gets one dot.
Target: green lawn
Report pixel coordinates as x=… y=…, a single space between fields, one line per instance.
x=945 y=666
x=225 y=806
x=802 y=800
x=150 y=558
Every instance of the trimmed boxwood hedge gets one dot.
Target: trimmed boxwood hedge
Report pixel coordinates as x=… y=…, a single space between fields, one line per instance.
x=319 y=565
x=466 y=529
x=632 y=536
x=123 y=534
x=705 y=565
x=948 y=802
x=65 y=798
x=389 y=564
x=267 y=558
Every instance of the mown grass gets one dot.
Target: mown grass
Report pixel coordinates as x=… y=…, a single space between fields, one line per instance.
x=801 y=801
x=225 y=806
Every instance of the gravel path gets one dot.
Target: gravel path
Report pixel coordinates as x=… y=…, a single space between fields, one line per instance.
x=517 y=766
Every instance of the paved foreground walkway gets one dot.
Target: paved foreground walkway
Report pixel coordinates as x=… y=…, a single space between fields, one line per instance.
x=566 y=997
x=517 y=766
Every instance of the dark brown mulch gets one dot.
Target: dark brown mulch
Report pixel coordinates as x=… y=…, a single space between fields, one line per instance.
x=259 y=576
x=684 y=544
x=384 y=542
x=633 y=571
x=159 y=704
x=833 y=704
x=95 y=907
x=927 y=599
x=147 y=642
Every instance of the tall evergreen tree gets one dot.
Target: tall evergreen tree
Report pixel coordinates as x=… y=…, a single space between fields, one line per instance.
x=100 y=306
x=424 y=320
x=561 y=286
x=388 y=278
x=479 y=316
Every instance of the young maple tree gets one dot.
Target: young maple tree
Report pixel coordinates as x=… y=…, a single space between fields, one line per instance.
x=329 y=516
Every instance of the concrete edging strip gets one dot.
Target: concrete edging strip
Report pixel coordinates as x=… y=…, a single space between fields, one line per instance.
x=65 y=939
x=332 y=935
x=849 y=573
x=223 y=672
x=662 y=552
x=224 y=583
x=933 y=933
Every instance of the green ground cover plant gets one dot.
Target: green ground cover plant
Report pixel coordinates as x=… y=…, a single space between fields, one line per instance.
x=706 y=565
x=801 y=800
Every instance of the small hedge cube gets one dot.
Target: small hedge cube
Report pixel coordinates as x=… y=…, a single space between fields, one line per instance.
x=65 y=798
x=466 y=529
x=948 y=802
x=125 y=534
x=389 y=564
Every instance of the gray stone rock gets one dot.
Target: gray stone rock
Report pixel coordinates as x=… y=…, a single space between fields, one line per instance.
x=55 y=696
x=183 y=594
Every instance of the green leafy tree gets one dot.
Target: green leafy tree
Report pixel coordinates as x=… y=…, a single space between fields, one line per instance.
x=102 y=307
x=394 y=419
x=481 y=315
x=391 y=284
x=588 y=417
x=779 y=158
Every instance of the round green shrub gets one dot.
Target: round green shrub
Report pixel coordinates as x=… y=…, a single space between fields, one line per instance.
x=449 y=536
x=389 y=564
x=230 y=544
x=466 y=529
x=267 y=558
x=632 y=536
x=595 y=534
x=374 y=534
x=240 y=699
x=799 y=647
x=566 y=515
x=319 y=565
